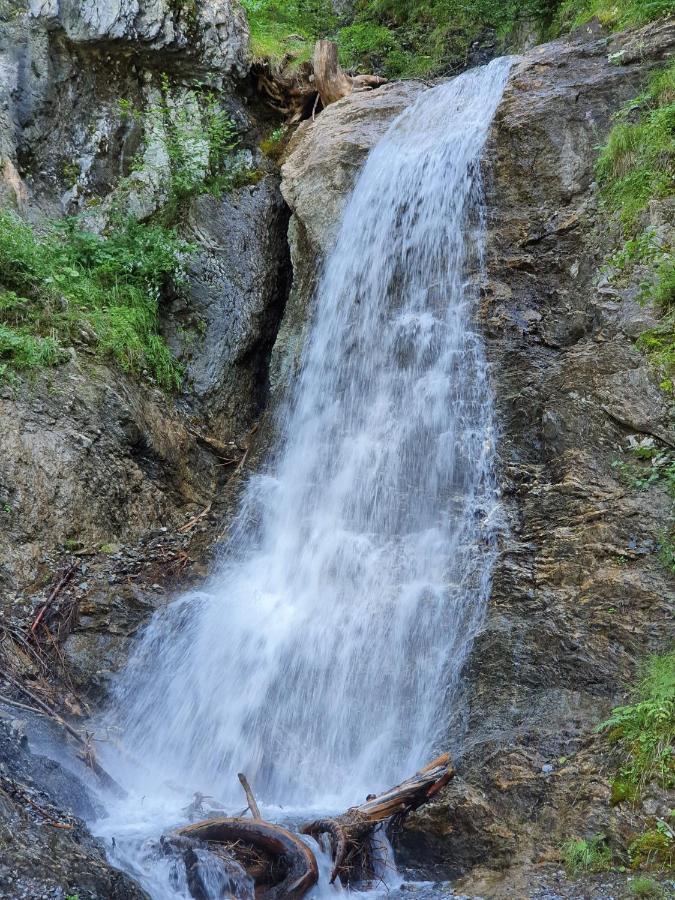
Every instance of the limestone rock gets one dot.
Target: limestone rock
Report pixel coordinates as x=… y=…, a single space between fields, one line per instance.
x=214 y=32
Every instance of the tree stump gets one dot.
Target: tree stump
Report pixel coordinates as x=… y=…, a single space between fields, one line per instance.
x=332 y=82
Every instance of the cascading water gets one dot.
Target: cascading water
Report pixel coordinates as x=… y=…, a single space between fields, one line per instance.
x=323 y=657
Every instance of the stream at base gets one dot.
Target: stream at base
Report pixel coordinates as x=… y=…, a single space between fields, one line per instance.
x=323 y=657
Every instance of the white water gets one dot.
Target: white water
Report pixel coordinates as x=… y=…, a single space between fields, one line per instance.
x=323 y=657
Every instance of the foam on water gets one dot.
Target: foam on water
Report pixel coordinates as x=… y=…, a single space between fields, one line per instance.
x=323 y=657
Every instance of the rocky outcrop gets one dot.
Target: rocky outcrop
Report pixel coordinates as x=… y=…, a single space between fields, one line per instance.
x=579 y=594
x=89 y=456
x=322 y=164
x=212 y=34
x=45 y=848
x=225 y=327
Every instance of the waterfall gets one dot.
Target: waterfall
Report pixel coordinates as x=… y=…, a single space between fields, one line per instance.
x=323 y=657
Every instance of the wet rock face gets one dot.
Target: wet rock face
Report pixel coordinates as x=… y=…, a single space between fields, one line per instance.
x=579 y=595
x=87 y=458
x=323 y=162
x=239 y=281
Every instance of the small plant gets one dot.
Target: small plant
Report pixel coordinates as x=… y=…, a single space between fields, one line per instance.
x=655 y=848
x=199 y=139
x=273 y=145
x=652 y=466
x=644 y=732
x=584 y=856
x=646 y=889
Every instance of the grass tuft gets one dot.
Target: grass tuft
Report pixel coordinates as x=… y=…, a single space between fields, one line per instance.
x=586 y=856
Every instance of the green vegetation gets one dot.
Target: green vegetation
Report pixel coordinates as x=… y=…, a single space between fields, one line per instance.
x=643 y=733
x=646 y=889
x=70 y=286
x=407 y=38
x=587 y=856
x=199 y=139
x=287 y=28
x=273 y=146
x=651 y=465
x=636 y=166
x=655 y=848
x=612 y=13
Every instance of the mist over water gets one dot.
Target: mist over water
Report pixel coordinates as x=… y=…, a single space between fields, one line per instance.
x=323 y=657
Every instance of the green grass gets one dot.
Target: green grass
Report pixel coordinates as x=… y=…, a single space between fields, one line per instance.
x=643 y=733
x=408 y=38
x=586 y=856
x=655 y=847
x=613 y=13
x=646 y=889
x=283 y=30
x=636 y=166
x=71 y=287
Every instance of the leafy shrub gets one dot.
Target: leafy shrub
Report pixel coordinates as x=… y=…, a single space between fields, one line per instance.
x=72 y=286
x=644 y=732
x=587 y=856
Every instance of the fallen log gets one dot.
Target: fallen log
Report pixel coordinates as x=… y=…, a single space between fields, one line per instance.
x=350 y=833
x=285 y=852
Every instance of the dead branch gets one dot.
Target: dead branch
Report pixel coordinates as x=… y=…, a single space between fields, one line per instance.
x=252 y=805
x=86 y=753
x=65 y=578
x=351 y=832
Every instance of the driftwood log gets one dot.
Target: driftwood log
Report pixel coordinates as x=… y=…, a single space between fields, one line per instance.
x=351 y=833
x=281 y=864
x=288 y=858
